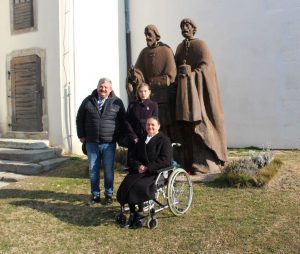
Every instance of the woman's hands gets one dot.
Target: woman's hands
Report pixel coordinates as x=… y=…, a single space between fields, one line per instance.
x=142 y=169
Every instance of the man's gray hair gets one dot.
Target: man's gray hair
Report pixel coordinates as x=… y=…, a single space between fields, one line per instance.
x=105 y=80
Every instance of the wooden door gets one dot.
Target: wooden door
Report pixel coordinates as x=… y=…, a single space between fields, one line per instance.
x=26 y=94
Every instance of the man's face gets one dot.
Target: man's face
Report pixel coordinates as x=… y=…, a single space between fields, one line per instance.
x=104 y=90
x=150 y=38
x=187 y=31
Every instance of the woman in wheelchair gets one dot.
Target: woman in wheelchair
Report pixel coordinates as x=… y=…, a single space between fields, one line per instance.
x=151 y=153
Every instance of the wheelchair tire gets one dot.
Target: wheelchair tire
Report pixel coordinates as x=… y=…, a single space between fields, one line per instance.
x=152 y=223
x=180 y=192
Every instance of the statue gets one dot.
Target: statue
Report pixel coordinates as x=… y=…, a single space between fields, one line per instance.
x=134 y=79
x=198 y=105
x=156 y=66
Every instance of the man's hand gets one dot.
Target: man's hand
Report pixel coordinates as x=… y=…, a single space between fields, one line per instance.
x=82 y=140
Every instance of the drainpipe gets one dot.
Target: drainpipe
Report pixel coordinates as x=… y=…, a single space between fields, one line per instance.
x=128 y=33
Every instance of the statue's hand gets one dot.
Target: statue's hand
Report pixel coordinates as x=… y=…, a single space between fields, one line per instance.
x=185 y=69
x=203 y=67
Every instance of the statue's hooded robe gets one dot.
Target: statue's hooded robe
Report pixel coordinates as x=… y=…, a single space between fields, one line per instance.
x=157 y=64
x=198 y=98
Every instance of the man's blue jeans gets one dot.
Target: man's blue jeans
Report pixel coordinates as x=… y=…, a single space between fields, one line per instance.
x=101 y=154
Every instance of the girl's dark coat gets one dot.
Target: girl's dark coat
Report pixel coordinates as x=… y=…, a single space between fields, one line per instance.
x=157 y=154
x=137 y=114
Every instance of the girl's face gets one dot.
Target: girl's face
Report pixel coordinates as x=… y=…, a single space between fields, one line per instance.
x=144 y=93
x=152 y=127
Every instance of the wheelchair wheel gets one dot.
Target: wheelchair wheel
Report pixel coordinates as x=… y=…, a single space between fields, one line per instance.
x=180 y=192
x=152 y=223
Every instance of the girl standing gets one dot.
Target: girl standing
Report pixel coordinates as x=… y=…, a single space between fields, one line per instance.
x=137 y=114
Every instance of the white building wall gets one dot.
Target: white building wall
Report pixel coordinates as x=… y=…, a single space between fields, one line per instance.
x=256 y=49
x=46 y=38
x=100 y=49
x=4 y=33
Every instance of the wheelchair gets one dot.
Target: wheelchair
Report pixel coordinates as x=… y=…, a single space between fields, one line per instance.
x=173 y=190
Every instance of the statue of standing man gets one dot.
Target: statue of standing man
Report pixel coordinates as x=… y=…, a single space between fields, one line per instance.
x=198 y=105
x=156 y=67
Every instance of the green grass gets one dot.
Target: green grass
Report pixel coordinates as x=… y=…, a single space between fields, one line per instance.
x=48 y=214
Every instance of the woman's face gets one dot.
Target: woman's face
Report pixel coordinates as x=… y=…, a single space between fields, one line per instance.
x=152 y=127
x=144 y=93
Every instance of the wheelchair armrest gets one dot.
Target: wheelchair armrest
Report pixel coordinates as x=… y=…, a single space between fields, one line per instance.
x=126 y=169
x=164 y=169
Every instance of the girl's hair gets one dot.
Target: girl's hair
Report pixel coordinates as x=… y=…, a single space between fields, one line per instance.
x=140 y=86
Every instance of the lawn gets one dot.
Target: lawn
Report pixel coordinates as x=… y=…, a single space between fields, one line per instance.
x=48 y=214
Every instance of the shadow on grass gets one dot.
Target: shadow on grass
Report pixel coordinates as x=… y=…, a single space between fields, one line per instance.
x=77 y=168
x=80 y=215
x=69 y=208
x=73 y=168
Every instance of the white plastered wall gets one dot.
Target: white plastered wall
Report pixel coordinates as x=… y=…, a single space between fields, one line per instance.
x=46 y=39
x=256 y=49
x=100 y=49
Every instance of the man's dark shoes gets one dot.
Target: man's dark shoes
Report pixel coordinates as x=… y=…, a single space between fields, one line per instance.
x=94 y=200
x=108 y=200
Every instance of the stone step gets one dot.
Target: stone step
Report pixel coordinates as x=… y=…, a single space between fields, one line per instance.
x=26 y=135
x=23 y=143
x=26 y=168
x=29 y=155
x=7 y=178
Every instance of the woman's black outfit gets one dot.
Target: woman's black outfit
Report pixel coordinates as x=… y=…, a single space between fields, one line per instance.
x=136 y=187
x=136 y=117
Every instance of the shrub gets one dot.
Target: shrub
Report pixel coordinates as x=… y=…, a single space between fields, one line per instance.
x=255 y=171
x=242 y=166
x=263 y=158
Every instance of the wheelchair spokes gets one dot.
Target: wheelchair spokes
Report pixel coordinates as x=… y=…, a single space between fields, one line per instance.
x=180 y=192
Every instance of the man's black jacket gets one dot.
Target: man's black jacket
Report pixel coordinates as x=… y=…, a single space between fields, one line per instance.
x=105 y=126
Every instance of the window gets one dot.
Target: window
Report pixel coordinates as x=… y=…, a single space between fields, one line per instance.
x=23 y=18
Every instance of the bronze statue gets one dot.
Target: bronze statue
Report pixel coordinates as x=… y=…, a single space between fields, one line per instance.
x=156 y=67
x=198 y=105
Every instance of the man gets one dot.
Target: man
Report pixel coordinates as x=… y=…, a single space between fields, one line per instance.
x=100 y=121
x=156 y=67
x=198 y=105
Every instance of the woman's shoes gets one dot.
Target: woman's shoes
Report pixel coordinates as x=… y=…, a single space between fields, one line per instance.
x=129 y=222
x=136 y=221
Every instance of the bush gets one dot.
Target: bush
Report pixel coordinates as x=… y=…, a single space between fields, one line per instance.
x=262 y=159
x=242 y=166
x=255 y=171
